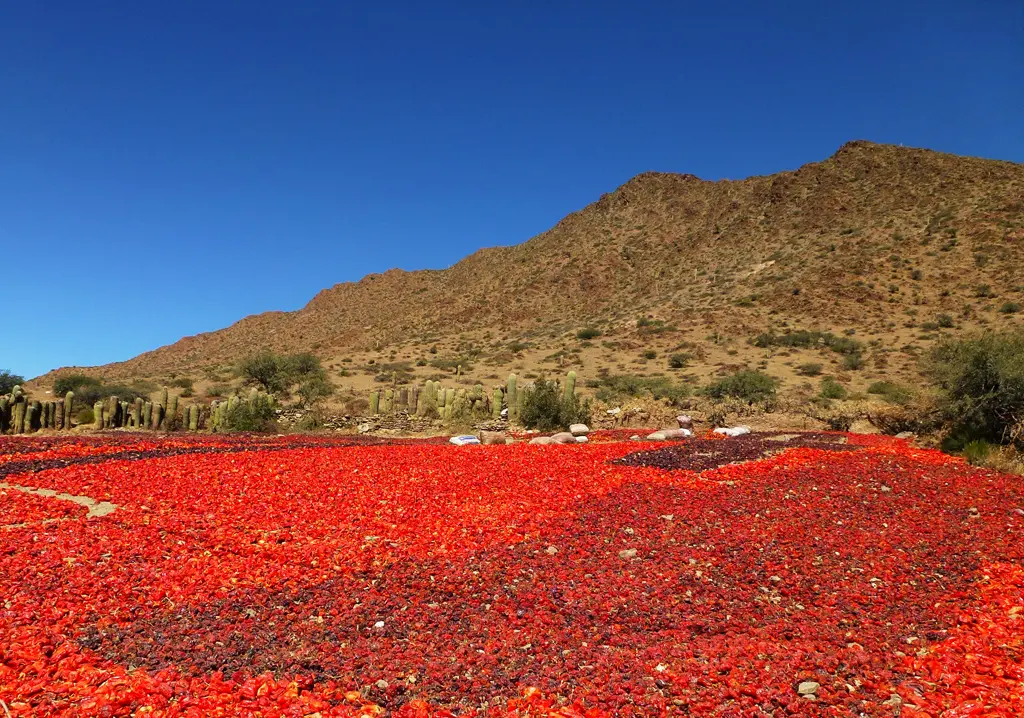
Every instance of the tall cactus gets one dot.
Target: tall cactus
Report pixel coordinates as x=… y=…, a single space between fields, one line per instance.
x=5 y=414
x=172 y=414
x=147 y=414
x=97 y=414
x=59 y=415
x=374 y=403
x=137 y=412
x=498 y=395
x=19 y=418
x=570 y=386
x=158 y=416
x=193 y=418
x=69 y=409
x=512 y=398
x=389 y=401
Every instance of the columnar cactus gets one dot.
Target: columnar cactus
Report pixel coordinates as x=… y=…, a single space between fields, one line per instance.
x=193 y=418
x=147 y=414
x=374 y=403
x=389 y=401
x=19 y=418
x=32 y=412
x=69 y=409
x=570 y=386
x=512 y=397
x=97 y=414
x=137 y=412
x=5 y=414
x=496 y=398
x=172 y=414
x=158 y=415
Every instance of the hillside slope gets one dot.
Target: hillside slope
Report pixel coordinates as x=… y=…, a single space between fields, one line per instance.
x=876 y=239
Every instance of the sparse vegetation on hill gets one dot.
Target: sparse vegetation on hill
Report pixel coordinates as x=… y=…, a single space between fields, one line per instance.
x=857 y=265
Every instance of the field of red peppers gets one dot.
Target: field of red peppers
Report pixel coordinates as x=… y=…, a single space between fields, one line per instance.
x=299 y=576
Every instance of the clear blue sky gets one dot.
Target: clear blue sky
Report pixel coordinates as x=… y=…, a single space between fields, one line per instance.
x=167 y=168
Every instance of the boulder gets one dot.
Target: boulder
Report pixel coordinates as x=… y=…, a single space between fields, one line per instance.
x=676 y=433
x=684 y=421
x=732 y=431
x=579 y=429
x=464 y=440
x=563 y=437
x=582 y=440
x=541 y=440
x=656 y=436
x=487 y=438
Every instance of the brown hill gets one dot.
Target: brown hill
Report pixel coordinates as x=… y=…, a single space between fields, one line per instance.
x=877 y=241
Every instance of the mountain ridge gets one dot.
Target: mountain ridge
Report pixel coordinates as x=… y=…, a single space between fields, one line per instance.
x=684 y=250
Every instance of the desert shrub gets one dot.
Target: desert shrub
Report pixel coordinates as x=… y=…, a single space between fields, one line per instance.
x=977 y=452
x=679 y=361
x=91 y=392
x=650 y=354
x=804 y=339
x=612 y=389
x=85 y=416
x=852 y=362
x=214 y=390
x=255 y=414
x=277 y=372
x=314 y=389
x=831 y=389
x=265 y=369
x=890 y=391
x=452 y=363
x=545 y=408
x=311 y=421
x=982 y=385
x=588 y=333
x=8 y=381
x=71 y=382
x=945 y=321
x=182 y=382
x=1010 y=308
x=929 y=326
x=811 y=369
x=749 y=385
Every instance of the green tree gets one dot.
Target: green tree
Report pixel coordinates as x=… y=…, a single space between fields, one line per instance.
x=8 y=381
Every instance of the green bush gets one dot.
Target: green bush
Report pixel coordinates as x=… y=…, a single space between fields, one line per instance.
x=613 y=389
x=976 y=452
x=749 y=385
x=545 y=409
x=588 y=333
x=831 y=389
x=256 y=414
x=276 y=372
x=891 y=392
x=853 y=362
x=650 y=354
x=84 y=417
x=679 y=361
x=982 y=385
x=8 y=381
x=945 y=321
x=72 y=382
x=315 y=389
x=1010 y=308
x=804 y=339
x=809 y=369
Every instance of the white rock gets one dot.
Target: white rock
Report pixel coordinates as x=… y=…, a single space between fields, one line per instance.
x=656 y=436
x=627 y=553
x=579 y=429
x=541 y=440
x=464 y=440
x=684 y=421
x=676 y=433
x=808 y=688
x=551 y=550
x=733 y=431
x=614 y=412
x=582 y=440
x=379 y=624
